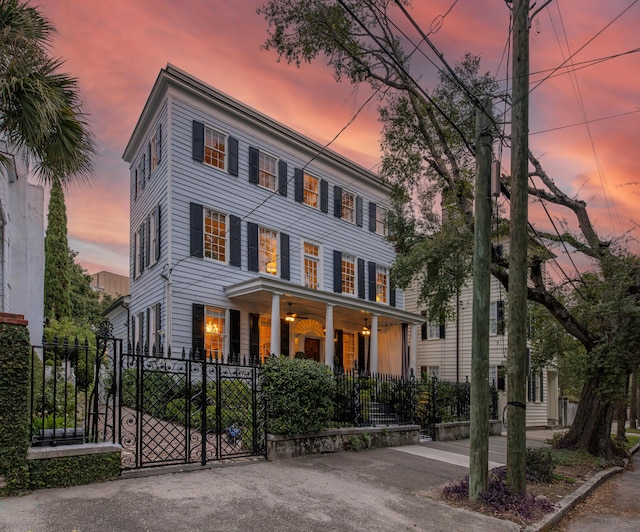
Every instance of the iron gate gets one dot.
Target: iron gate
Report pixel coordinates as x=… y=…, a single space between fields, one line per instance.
x=169 y=410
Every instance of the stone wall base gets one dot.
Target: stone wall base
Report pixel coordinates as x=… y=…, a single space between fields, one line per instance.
x=461 y=430
x=338 y=440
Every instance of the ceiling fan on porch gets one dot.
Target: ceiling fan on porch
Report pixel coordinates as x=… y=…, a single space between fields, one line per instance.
x=291 y=316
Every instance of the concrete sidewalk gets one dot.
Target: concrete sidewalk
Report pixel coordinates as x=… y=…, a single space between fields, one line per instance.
x=376 y=490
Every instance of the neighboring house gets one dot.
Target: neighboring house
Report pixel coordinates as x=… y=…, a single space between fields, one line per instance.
x=21 y=245
x=248 y=238
x=110 y=283
x=118 y=315
x=444 y=351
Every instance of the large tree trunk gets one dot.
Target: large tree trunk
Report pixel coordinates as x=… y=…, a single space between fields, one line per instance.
x=633 y=401
x=621 y=419
x=591 y=429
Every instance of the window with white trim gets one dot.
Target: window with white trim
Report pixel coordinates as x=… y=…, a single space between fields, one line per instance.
x=434 y=329
x=215 y=148
x=154 y=152
x=496 y=318
x=311 y=191
x=348 y=212
x=311 y=265
x=382 y=284
x=349 y=274
x=137 y=254
x=267 y=251
x=381 y=220
x=268 y=171
x=153 y=236
x=215 y=235
x=214 y=332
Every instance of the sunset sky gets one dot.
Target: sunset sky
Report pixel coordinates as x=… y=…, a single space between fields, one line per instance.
x=117 y=47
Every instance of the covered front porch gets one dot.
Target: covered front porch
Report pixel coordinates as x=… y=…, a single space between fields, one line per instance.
x=336 y=329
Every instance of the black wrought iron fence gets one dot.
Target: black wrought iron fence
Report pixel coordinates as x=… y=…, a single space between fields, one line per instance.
x=370 y=399
x=62 y=376
x=442 y=401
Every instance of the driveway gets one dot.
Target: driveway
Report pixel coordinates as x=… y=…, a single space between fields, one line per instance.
x=376 y=490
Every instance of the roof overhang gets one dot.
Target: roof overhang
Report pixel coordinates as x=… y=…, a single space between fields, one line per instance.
x=259 y=291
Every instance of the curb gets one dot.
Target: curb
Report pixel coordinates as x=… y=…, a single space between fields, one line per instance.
x=577 y=496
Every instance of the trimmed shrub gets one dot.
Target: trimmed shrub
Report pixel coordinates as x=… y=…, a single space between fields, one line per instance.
x=540 y=465
x=15 y=354
x=299 y=395
x=73 y=470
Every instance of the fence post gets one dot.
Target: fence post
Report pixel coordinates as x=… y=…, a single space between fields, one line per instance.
x=15 y=351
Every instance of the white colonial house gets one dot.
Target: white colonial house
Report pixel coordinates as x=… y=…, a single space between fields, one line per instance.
x=248 y=238
x=21 y=243
x=444 y=351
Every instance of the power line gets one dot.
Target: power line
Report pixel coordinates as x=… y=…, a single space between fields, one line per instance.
x=591 y=121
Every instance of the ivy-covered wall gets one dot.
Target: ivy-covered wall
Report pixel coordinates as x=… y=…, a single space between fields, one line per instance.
x=68 y=471
x=15 y=353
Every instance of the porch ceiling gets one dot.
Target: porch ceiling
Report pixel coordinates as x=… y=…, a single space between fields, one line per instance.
x=307 y=303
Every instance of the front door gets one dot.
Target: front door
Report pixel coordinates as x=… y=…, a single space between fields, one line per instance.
x=312 y=349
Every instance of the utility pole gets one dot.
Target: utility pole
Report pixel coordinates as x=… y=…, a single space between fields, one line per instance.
x=479 y=450
x=517 y=343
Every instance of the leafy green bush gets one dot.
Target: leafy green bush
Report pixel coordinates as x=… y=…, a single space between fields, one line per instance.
x=540 y=465
x=299 y=395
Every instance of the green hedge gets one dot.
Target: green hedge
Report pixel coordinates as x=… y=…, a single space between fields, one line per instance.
x=299 y=395
x=73 y=470
x=15 y=353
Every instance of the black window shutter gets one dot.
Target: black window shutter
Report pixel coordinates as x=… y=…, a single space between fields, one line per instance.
x=285 y=269
x=254 y=337
x=133 y=334
x=156 y=251
x=299 y=185
x=362 y=362
x=233 y=155
x=361 y=280
x=338 y=350
x=423 y=331
x=234 y=331
x=254 y=154
x=235 y=241
x=442 y=330
x=372 y=281
x=134 y=183
x=282 y=178
x=143 y=244
x=500 y=325
x=149 y=159
x=284 y=338
x=337 y=201
x=156 y=334
x=147 y=243
x=197 y=330
x=252 y=241
x=198 y=141
x=143 y=170
x=147 y=341
x=358 y=211
x=159 y=146
x=196 y=230
x=392 y=297
x=541 y=376
x=337 y=272
x=324 y=195
x=372 y=216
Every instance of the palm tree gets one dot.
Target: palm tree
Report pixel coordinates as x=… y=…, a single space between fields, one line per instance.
x=40 y=110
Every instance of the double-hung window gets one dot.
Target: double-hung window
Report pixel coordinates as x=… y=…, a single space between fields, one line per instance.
x=153 y=236
x=267 y=251
x=311 y=191
x=215 y=148
x=382 y=284
x=348 y=212
x=381 y=221
x=215 y=235
x=311 y=265
x=153 y=149
x=268 y=171
x=496 y=318
x=214 y=332
x=349 y=281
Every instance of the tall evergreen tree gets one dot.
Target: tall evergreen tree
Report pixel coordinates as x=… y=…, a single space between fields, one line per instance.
x=57 y=289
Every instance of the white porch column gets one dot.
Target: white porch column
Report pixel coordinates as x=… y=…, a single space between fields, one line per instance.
x=413 y=350
x=328 y=337
x=275 y=325
x=373 y=348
